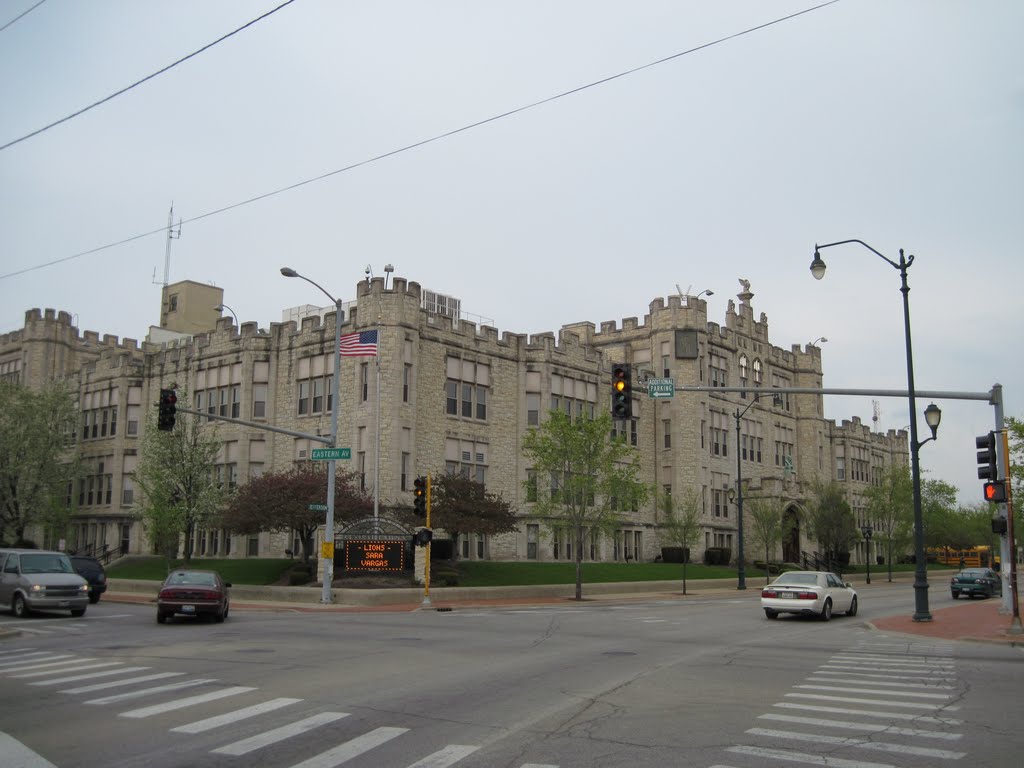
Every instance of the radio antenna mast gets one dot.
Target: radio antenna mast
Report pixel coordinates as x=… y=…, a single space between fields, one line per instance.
x=172 y=234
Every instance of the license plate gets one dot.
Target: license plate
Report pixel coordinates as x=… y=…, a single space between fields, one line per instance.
x=63 y=604
x=188 y=609
x=787 y=595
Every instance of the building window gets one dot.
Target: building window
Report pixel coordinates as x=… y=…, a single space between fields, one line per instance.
x=532 y=534
x=259 y=401
x=666 y=426
x=364 y=382
x=743 y=375
x=531 y=485
x=404 y=473
x=361 y=469
x=532 y=409
x=466 y=389
x=253 y=546
x=406 y=382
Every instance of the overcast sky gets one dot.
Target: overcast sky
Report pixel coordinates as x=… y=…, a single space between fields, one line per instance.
x=896 y=122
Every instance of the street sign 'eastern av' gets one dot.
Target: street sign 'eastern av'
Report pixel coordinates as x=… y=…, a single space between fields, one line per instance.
x=326 y=454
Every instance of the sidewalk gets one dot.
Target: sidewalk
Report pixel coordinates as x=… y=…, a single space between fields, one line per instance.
x=973 y=620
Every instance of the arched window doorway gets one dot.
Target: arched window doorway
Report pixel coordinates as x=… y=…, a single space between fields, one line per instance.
x=791 y=535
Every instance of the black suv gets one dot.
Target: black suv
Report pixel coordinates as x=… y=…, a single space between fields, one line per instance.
x=91 y=569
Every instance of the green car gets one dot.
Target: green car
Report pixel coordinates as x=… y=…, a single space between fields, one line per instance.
x=976 y=581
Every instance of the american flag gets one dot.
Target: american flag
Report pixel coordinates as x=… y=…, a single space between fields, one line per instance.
x=358 y=344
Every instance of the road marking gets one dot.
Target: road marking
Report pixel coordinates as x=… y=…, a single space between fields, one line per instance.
x=126 y=681
x=876 y=702
x=870 y=713
x=48 y=657
x=68 y=660
x=188 y=701
x=99 y=665
x=17 y=754
x=445 y=757
x=148 y=691
x=900 y=661
x=537 y=765
x=353 y=748
x=877 y=691
x=841 y=741
x=836 y=669
x=867 y=727
x=106 y=673
x=199 y=726
x=849 y=681
x=279 y=734
x=802 y=757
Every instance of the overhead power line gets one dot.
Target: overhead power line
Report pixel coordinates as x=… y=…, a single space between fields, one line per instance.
x=23 y=13
x=423 y=142
x=114 y=95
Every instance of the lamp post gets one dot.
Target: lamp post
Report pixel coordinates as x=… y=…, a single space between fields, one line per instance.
x=814 y=343
x=325 y=596
x=921 y=612
x=867 y=531
x=222 y=307
x=741 y=571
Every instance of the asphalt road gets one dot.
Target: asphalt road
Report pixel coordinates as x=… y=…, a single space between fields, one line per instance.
x=702 y=682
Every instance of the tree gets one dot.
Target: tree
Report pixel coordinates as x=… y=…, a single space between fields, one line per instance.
x=461 y=505
x=681 y=525
x=180 y=492
x=279 y=501
x=765 y=521
x=831 y=521
x=590 y=475
x=38 y=467
x=890 y=508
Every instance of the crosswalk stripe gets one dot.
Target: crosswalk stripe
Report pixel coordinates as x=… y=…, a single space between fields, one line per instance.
x=876 y=691
x=842 y=741
x=92 y=675
x=65 y=663
x=16 y=651
x=199 y=726
x=64 y=671
x=537 y=765
x=803 y=757
x=450 y=755
x=352 y=748
x=170 y=706
x=866 y=727
x=875 y=702
x=40 y=663
x=118 y=683
x=279 y=734
x=870 y=713
x=834 y=669
x=149 y=691
x=22 y=660
x=850 y=681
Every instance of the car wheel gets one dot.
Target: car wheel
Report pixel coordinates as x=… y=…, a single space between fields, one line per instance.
x=78 y=612
x=956 y=595
x=227 y=607
x=853 y=607
x=161 y=617
x=94 y=598
x=771 y=614
x=219 y=617
x=20 y=607
x=826 y=611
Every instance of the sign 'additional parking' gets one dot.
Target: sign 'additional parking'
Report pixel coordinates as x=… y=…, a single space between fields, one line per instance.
x=661 y=388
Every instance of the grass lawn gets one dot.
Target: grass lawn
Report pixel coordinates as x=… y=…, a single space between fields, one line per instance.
x=478 y=573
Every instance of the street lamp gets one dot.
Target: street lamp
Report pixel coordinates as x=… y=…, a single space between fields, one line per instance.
x=741 y=571
x=867 y=531
x=222 y=307
x=921 y=612
x=815 y=342
x=705 y=292
x=325 y=596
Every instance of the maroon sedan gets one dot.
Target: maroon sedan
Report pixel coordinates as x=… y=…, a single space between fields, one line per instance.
x=193 y=593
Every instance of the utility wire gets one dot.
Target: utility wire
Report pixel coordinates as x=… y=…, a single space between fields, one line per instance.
x=23 y=13
x=424 y=142
x=143 y=80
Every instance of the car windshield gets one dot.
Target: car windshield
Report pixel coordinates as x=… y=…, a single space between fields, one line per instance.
x=196 y=579
x=45 y=563
x=797 y=578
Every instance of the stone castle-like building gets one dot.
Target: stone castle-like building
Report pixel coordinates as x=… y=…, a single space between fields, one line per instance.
x=456 y=396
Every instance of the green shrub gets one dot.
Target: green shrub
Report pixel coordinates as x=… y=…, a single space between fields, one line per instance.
x=675 y=554
x=717 y=556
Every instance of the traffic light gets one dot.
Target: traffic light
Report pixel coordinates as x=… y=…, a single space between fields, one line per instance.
x=168 y=410
x=995 y=492
x=422 y=537
x=999 y=525
x=988 y=468
x=419 y=502
x=622 y=391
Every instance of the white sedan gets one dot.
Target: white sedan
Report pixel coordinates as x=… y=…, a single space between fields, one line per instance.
x=812 y=593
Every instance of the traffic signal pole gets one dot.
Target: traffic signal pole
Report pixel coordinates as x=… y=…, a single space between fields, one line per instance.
x=426 y=553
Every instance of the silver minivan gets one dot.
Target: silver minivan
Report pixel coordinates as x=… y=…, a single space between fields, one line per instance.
x=32 y=579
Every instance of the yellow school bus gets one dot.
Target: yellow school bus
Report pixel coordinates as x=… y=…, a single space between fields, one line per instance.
x=975 y=557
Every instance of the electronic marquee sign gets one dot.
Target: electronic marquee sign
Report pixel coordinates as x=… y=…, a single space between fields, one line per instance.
x=375 y=555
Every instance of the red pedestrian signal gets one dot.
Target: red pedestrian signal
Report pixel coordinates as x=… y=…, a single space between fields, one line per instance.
x=995 y=492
